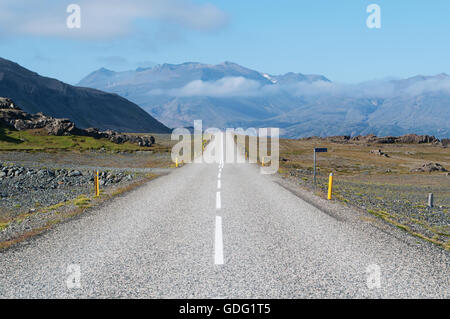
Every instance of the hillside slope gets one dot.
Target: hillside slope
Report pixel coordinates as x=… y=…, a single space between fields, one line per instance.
x=85 y=106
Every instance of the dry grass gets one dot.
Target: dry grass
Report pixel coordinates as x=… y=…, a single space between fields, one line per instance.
x=383 y=186
x=351 y=159
x=23 y=237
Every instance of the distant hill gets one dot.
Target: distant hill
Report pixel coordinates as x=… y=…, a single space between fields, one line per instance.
x=86 y=107
x=230 y=95
x=156 y=90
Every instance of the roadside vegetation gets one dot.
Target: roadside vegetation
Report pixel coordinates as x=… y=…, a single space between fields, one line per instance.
x=383 y=186
x=48 y=179
x=16 y=229
x=38 y=140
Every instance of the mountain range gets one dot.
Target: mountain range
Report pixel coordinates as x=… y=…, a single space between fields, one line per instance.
x=86 y=107
x=230 y=95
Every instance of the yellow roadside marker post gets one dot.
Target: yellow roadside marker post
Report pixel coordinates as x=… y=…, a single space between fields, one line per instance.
x=330 y=186
x=176 y=162
x=97 y=185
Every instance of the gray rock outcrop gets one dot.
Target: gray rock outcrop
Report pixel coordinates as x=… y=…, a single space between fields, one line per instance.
x=373 y=139
x=12 y=116
x=379 y=153
x=430 y=167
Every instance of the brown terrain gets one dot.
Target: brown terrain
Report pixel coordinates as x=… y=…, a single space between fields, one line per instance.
x=388 y=177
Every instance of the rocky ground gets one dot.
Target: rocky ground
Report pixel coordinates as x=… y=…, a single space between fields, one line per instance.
x=40 y=189
x=373 y=139
x=14 y=117
x=399 y=200
x=387 y=178
x=24 y=188
x=39 y=179
x=145 y=161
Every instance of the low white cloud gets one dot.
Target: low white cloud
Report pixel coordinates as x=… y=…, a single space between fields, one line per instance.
x=104 y=18
x=429 y=85
x=372 y=89
x=225 y=87
x=242 y=87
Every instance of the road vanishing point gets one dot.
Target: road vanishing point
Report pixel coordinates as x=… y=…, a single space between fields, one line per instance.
x=219 y=231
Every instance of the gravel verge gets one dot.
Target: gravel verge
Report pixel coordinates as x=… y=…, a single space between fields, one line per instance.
x=24 y=188
x=401 y=205
x=33 y=199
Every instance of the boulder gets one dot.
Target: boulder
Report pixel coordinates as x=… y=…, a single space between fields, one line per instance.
x=93 y=132
x=416 y=139
x=386 y=140
x=430 y=167
x=117 y=138
x=373 y=139
x=364 y=139
x=338 y=139
x=60 y=127
x=446 y=142
x=74 y=174
x=6 y=103
x=378 y=153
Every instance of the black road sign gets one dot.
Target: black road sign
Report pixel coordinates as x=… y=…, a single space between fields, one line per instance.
x=321 y=150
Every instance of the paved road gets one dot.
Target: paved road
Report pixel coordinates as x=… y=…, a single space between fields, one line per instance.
x=205 y=232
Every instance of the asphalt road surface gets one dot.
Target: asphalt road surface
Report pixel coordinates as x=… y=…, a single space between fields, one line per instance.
x=218 y=231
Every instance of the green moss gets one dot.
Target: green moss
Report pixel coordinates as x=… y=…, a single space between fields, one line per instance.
x=26 y=140
x=82 y=201
x=53 y=207
x=3 y=226
x=402 y=227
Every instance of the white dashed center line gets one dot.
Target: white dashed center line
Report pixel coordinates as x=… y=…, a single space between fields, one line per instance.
x=218 y=255
x=218 y=202
x=218 y=243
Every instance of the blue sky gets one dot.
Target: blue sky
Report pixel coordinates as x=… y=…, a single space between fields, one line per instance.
x=321 y=36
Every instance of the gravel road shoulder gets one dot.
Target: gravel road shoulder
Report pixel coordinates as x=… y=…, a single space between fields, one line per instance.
x=345 y=212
